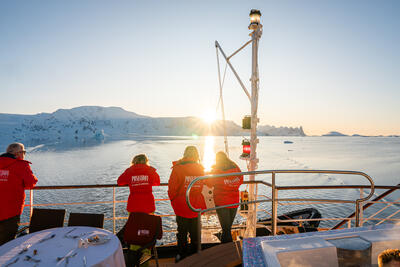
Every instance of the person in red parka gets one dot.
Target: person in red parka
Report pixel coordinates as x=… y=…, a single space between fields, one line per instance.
x=183 y=172
x=226 y=191
x=141 y=178
x=15 y=176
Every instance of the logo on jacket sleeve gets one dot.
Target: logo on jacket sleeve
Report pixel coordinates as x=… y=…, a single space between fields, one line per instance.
x=232 y=182
x=4 y=175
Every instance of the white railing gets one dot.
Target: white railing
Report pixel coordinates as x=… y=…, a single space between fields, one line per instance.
x=278 y=201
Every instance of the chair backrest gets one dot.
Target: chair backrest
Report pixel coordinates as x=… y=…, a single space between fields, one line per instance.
x=142 y=229
x=46 y=218
x=86 y=219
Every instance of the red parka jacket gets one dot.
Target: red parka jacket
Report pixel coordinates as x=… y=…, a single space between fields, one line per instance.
x=15 y=176
x=226 y=189
x=140 y=178
x=183 y=172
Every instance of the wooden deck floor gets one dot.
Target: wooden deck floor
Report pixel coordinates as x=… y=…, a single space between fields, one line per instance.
x=229 y=255
x=223 y=255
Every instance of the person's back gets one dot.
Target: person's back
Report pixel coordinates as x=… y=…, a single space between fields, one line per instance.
x=141 y=178
x=226 y=189
x=15 y=176
x=226 y=192
x=183 y=173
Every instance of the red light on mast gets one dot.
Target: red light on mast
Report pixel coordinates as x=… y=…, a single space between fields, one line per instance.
x=246 y=148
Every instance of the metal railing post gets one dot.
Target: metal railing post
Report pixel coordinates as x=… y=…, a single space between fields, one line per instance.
x=199 y=232
x=114 y=210
x=30 y=203
x=361 y=208
x=357 y=213
x=255 y=206
x=274 y=205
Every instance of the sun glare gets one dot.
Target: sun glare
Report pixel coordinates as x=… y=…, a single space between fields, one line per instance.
x=209 y=154
x=209 y=116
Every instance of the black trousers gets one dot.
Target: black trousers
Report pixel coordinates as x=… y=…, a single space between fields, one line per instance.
x=226 y=217
x=185 y=226
x=8 y=229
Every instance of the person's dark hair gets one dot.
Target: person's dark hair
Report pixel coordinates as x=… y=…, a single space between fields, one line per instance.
x=222 y=162
x=140 y=159
x=387 y=256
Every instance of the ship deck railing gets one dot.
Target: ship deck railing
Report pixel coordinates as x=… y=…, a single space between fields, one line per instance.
x=274 y=201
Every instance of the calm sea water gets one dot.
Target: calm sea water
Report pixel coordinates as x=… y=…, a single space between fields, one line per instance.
x=102 y=163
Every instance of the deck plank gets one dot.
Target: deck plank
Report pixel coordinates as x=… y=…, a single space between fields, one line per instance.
x=228 y=254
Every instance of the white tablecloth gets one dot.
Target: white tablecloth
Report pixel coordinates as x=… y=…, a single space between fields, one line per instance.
x=100 y=255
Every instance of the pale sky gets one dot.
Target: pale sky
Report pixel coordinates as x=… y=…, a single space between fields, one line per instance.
x=324 y=65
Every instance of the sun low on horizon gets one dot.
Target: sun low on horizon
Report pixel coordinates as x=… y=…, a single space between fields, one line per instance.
x=209 y=116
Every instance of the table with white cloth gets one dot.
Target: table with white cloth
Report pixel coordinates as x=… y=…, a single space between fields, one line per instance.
x=64 y=246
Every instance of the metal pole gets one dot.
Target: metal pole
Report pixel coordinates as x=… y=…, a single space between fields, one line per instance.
x=361 y=209
x=233 y=70
x=357 y=213
x=222 y=104
x=274 y=205
x=199 y=232
x=252 y=213
x=114 y=210
x=31 y=203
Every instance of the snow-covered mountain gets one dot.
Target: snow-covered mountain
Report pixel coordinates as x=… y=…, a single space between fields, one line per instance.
x=93 y=113
x=93 y=122
x=281 y=131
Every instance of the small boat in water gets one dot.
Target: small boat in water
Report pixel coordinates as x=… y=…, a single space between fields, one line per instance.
x=288 y=142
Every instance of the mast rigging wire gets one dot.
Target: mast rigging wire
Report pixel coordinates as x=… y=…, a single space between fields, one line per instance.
x=221 y=100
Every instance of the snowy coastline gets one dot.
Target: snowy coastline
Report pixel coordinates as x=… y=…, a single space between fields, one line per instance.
x=88 y=123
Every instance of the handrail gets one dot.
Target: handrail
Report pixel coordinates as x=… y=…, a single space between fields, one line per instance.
x=296 y=187
x=384 y=194
x=31 y=204
x=372 y=185
x=46 y=187
x=275 y=189
x=291 y=201
x=90 y=186
x=50 y=187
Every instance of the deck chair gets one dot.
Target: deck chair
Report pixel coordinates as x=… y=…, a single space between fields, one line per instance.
x=143 y=230
x=86 y=219
x=44 y=219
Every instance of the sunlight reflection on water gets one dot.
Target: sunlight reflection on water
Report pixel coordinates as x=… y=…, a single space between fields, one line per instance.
x=209 y=154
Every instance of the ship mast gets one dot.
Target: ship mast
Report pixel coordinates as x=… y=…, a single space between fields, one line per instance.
x=256 y=33
x=256 y=26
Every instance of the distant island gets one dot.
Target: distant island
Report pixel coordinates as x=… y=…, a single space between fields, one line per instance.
x=113 y=123
x=333 y=133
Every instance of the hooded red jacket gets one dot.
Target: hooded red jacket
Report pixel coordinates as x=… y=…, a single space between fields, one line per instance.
x=226 y=189
x=15 y=176
x=183 y=172
x=140 y=178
